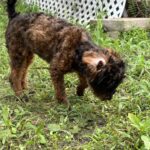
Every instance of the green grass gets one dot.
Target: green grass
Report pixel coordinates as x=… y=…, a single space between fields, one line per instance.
x=42 y=123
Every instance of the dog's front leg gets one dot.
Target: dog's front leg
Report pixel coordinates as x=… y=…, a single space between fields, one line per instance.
x=59 y=87
x=82 y=85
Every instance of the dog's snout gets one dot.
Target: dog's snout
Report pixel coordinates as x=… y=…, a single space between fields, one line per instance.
x=107 y=97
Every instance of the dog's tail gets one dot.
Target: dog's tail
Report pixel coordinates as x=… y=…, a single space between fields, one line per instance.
x=11 y=9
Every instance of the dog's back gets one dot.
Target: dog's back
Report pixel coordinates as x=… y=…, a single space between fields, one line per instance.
x=37 y=32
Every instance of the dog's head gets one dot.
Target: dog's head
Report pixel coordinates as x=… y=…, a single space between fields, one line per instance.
x=105 y=71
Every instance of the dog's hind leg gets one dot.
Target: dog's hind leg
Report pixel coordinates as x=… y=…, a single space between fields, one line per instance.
x=82 y=85
x=15 y=79
x=27 y=63
x=19 y=64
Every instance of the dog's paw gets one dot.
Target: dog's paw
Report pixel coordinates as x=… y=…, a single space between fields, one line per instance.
x=65 y=102
x=80 y=91
x=23 y=98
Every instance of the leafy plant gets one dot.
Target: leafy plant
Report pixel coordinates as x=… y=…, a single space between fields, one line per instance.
x=136 y=8
x=143 y=126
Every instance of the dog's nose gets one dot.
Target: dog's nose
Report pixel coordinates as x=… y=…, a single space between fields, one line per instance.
x=108 y=97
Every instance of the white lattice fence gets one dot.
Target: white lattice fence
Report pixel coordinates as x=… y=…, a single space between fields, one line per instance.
x=81 y=10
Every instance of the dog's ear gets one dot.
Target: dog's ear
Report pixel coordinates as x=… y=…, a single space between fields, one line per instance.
x=100 y=64
x=92 y=58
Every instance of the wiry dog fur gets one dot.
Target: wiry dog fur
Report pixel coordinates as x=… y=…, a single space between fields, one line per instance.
x=66 y=48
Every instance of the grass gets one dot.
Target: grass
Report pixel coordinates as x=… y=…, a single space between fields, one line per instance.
x=41 y=123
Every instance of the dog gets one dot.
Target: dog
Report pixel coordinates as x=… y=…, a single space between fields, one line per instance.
x=66 y=47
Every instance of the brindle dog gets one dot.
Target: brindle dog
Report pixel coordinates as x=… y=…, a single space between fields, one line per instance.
x=66 y=48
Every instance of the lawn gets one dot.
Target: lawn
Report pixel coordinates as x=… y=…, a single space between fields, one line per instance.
x=91 y=124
